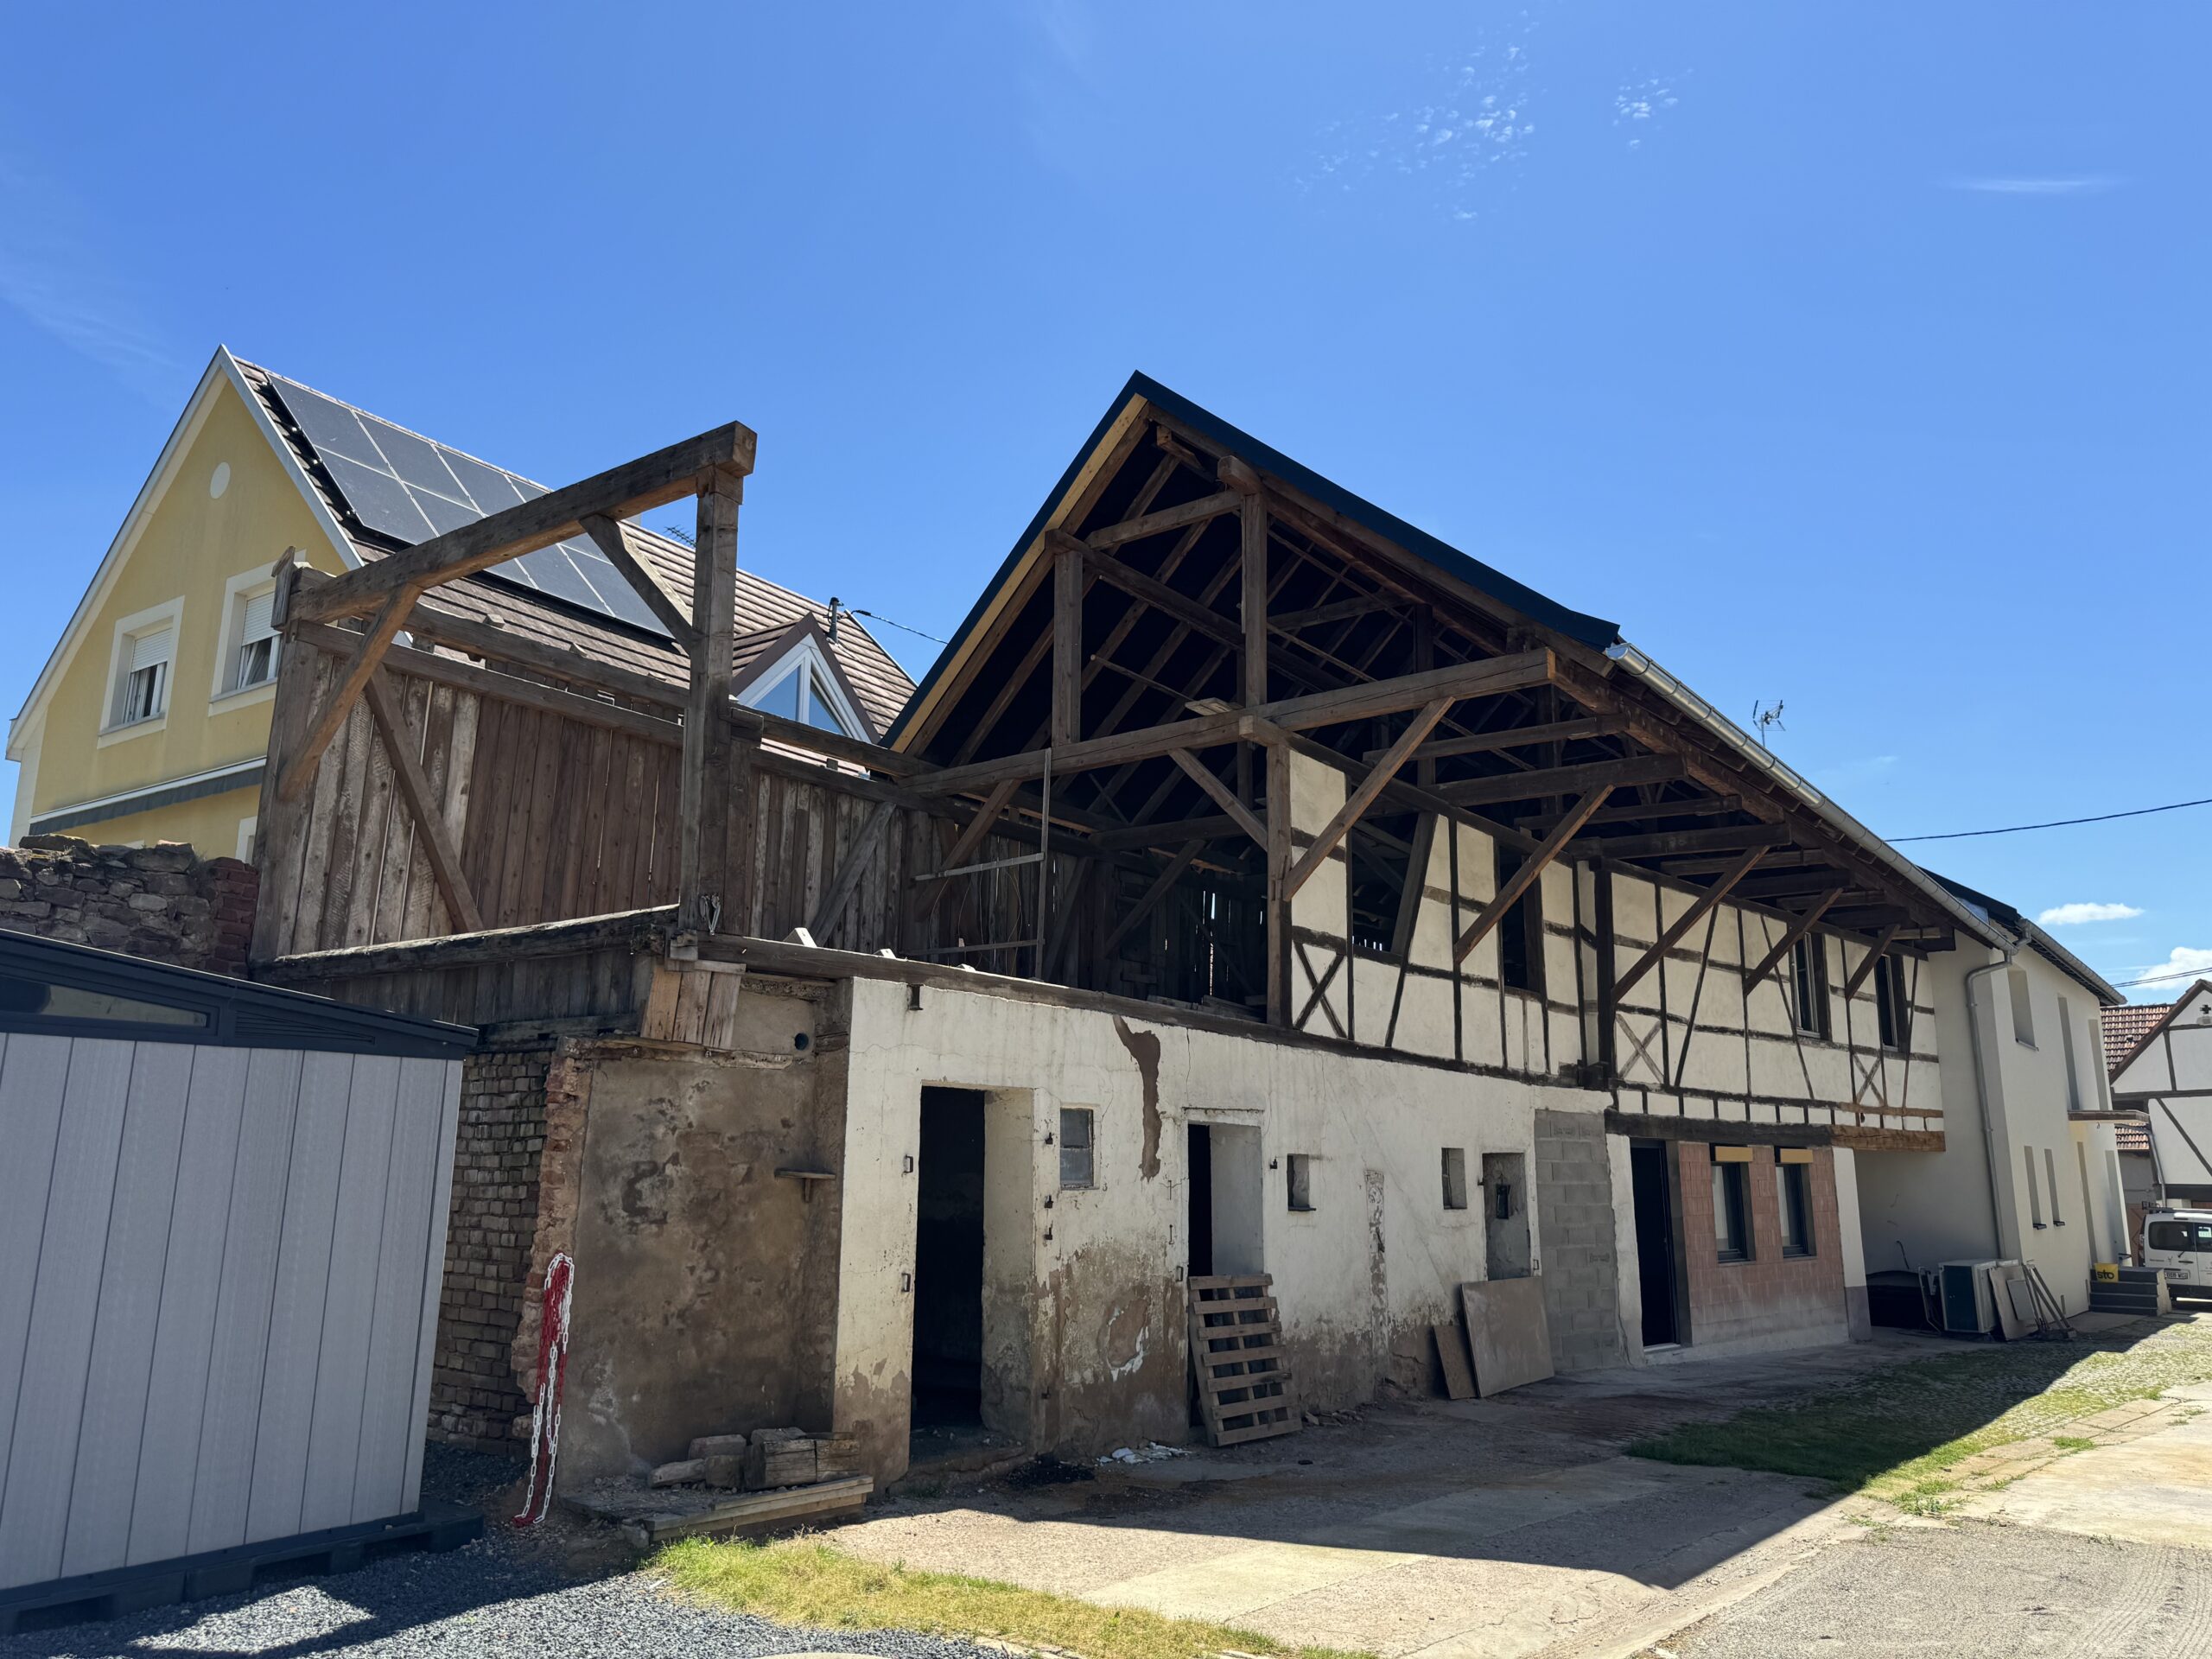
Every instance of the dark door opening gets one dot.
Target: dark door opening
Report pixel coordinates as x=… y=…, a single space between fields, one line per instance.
x=1654 y=1240
x=1201 y=1224
x=948 y=1368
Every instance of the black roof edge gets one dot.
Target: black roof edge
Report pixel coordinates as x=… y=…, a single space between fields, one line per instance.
x=1593 y=631
x=241 y=1013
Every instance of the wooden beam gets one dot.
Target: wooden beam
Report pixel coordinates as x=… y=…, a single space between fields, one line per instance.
x=1519 y=737
x=621 y=492
x=927 y=895
x=444 y=858
x=1490 y=677
x=1704 y=806
x=1342 y=610
x=704 y=806
x=1067 y=642
x=1532 y=866
x=1254 y=557
x=1672 y=843
x=444 y=628
x=1158 y=890
x=1700 y=909
x=1798 y=928
x=1165 y=835
x=1881 y=949
x=1361 y=799
x=612 y=537
x=1416 y=887
x=1167 y=519
x=1278 y=899
x=1162 y=597
x=1603 y=775
x=1223 y=797
x=360 y=668
x=849 y=872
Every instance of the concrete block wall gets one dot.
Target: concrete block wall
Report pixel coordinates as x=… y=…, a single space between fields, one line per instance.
x=163 y=902
x=1574 y=1207
x=474 y=1398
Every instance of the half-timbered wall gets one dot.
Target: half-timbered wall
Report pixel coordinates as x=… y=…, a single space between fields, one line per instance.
x=1692 y=1039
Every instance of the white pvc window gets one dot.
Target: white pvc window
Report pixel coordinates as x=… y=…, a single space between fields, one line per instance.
x=253 y=657
x=142 y=690
x=801 y=695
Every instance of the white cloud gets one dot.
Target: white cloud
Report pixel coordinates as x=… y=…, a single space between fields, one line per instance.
x=2185 y=961
x=54 y=273
x=2075 y=914
x=2070 y=184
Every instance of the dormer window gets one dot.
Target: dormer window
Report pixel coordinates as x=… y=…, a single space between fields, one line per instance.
x=799 y=683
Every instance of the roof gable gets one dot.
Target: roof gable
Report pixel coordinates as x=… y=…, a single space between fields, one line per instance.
x=2146 y=1069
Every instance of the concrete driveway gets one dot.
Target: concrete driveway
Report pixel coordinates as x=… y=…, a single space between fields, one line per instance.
x=1494 y=1529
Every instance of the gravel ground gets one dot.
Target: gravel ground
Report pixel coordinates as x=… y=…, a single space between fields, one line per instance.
x=504 y=1593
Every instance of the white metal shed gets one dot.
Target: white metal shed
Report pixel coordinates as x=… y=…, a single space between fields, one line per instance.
x=222 y=1232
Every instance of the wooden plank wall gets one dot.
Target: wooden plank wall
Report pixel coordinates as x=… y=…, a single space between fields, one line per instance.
x=556 y=818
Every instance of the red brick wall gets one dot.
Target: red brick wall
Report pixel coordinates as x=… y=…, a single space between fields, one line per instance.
x=1770 y=1295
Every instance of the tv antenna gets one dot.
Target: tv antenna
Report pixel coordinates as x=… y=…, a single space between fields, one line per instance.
x=1764 y=717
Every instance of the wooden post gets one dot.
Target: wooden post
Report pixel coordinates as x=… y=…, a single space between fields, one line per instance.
x=1278 y=919
x=1067 y=644
x=1253 y=517
x=1607 y=951
x=702 y=877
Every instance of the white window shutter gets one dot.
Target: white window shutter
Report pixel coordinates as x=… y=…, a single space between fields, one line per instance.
x=151 y=647
x=257 y=611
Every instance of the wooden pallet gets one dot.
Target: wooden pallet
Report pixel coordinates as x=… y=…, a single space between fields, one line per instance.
x=1236 y=1350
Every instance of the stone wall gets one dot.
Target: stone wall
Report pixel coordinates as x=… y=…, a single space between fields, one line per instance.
x=1574 y=1210
x=474 y=1398
x=163 y=902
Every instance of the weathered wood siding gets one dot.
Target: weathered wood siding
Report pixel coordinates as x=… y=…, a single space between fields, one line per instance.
x=556 y=818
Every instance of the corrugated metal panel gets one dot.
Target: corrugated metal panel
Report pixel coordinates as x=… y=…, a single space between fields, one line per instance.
x=222 y=1328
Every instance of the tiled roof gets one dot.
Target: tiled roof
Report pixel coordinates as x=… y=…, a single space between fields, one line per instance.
x=2130 y=1136
x=765 y=610
x=2123 y=1028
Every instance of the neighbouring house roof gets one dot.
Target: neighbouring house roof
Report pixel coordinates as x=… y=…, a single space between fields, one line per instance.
x=766 y=612
x=2028 y=934
x=2125 y=1027
x=2131 y=1135
x=2196 y=996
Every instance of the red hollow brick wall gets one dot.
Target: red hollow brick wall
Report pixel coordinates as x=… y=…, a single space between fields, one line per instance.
x=1769 y=1298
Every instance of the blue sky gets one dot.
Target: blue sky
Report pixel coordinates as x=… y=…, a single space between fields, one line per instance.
x=1849 y=356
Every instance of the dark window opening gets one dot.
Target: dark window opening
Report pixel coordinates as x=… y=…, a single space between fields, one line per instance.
x=1889 y=1002
x=1651 y=1183
x=1298 y=1180
x=1455 y=1178
x=1794 y=1181
x=1808 y=978
x=1731 y=1208
x=1521 y=931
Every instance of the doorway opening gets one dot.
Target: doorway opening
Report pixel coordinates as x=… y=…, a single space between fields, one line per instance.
x=1505 y=1215
x=1199 y=1229
x=948 y=1365
x=1650 y=1179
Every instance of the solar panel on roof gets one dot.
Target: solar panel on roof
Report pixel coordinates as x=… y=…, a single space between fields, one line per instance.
x=412 y=488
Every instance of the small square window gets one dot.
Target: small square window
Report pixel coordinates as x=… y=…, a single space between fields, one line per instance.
x=1298 y=1174
x=1076 y=1164
x=1455 y=1178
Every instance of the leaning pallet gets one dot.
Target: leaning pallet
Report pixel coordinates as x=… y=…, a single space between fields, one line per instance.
x=1236 y=1350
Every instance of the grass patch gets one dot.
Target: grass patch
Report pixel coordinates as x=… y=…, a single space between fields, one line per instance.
x=1896 y=1434
x=2072 y=1442
x=804 y=1582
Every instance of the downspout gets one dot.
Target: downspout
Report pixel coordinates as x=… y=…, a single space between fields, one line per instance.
x=1981 y=1097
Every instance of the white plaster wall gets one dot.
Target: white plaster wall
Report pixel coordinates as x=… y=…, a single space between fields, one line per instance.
x=1108 y=1345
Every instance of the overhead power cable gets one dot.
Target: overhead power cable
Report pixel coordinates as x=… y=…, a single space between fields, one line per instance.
x=2055 y=823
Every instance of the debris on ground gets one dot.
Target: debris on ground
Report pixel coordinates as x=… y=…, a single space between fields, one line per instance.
x=1153 y=1453
x=1045 y=1470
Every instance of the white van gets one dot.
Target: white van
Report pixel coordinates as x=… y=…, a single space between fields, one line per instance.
x=2178 y=1242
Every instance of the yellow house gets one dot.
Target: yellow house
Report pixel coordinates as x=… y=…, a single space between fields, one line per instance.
x=151 y=720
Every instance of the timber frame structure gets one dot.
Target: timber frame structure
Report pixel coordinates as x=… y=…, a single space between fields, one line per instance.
x=1094 y=787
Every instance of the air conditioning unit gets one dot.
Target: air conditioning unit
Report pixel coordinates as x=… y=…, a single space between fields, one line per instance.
x=1969 y=1302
